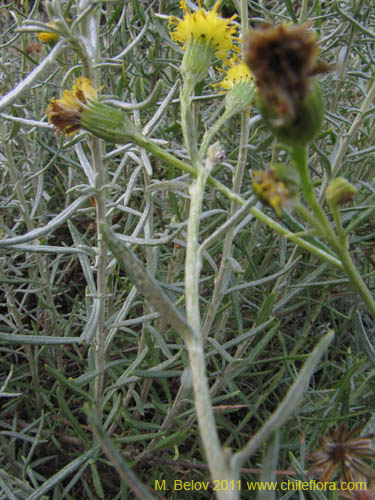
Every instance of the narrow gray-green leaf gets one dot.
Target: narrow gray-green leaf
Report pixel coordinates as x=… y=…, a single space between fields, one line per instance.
x=37 y=339
x=92 y=323
x=33 y=77
x=52 y=224
x=287 y=406
x=63 y=473
x=50 y=249
x=125 y=472
x=145 y=283
x=5 y=488
x=83 y=259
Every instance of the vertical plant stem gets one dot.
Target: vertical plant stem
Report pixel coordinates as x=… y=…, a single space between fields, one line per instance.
x=244 y=14
x=192 y=265
x=217 y=461
x=89 y=54
x=299 y=158
x=188 y=125
x=100 y=182
x=206 y=421
x=303 y=13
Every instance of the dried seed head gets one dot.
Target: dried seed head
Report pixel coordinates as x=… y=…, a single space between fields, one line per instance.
x=284 y=60
x=340 y=450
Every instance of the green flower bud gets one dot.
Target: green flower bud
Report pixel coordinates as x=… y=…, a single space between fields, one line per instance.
x=79 y=108
x=339 y=191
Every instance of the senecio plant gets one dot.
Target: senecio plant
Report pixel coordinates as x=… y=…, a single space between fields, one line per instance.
x=270 y=72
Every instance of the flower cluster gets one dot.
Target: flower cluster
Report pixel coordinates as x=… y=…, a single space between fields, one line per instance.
x=65 y=113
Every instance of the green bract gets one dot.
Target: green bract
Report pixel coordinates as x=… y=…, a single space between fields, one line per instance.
x=302 y=129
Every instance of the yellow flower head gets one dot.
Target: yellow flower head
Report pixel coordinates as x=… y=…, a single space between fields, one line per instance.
x=48 y=36
x=65 y=113
x=271 y=190
x=205 y=26
x=236 y=73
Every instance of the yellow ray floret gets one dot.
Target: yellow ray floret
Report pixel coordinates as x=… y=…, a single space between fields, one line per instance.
x=237 y=72
x=65 y=113
x=48 y=36
x=205 y=26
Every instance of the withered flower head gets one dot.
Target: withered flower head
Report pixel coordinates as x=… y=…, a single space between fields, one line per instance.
x=65 y=113
x=361 y=491
x=339 y=450
x=271 y=190
x=283 y=60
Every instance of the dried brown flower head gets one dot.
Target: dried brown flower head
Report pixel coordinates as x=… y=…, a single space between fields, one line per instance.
x=65 y=113
x=284 y=59
x=339 y=450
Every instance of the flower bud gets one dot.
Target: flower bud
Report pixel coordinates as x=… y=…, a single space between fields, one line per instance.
x=239 y=85
x=339 y=191
x=79 y=108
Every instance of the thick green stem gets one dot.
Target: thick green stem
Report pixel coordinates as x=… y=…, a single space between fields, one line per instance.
x=299 y=158
x=188 y=125
x=192 y=265
x=354 y=276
